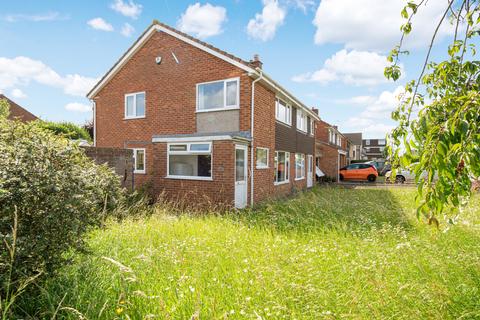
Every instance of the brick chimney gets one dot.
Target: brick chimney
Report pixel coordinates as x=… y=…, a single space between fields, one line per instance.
x=315 y=110
x=256 y=63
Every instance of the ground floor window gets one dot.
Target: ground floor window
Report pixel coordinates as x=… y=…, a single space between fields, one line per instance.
x=282 y=166
x=262 y=158
x=138 y=160
x=190 y=160
x=299 y=166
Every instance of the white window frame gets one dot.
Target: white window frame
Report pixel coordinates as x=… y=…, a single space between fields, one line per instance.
x=382 y=142
x=134 y=94
x=288 y=113
x=225 y=106
x=256 y=158
x=287 y=164
x=312 y=127
x=188 y=152
x=302 y=120
x=302 y=159
x=135 y=160
x=367 y=142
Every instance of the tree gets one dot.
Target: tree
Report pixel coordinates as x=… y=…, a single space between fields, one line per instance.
x=4 y=108
x=66 y=129
x=438 y=132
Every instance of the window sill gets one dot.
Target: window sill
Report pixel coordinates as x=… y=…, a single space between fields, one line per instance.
x=283 y=123
x=189 y=178
x=301 y=131
x=132 y=118
x=218 y=109
x=139 y=172
x=298 y=179
x=280 y=183
x=263 y=167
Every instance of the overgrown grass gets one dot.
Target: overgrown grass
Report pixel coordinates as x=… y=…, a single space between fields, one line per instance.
x=330 y=253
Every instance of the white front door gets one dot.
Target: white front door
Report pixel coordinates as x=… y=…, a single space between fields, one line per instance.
x=241 y=156
x=310 y=171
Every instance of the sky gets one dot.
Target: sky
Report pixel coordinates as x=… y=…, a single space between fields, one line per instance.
x=330 y=54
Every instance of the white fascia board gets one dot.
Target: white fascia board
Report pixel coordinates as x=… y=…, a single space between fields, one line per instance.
x=192 y=139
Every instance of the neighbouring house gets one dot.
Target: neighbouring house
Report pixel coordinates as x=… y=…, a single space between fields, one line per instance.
x=374 y=151
x=331 y=149
x=17 y=112
x=203 y=124
x=355 y=149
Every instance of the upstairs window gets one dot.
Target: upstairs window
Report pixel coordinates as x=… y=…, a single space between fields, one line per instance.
x=312 y=127
x=301 y=121
x=367 y=142
x=381 y=142
x=218 y=95
x=135 y=105
x=283 y=112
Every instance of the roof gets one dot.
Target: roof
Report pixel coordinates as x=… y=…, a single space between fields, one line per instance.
x=238 y=62
x=17 y=112
x=355 y=138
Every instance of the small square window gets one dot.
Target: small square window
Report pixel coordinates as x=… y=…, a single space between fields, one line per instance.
x=135 y=105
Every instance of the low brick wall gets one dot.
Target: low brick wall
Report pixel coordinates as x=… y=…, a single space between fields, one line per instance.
x=121 y=160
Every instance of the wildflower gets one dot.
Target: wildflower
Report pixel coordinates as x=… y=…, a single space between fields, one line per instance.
x=192 y=289
x=119 y=310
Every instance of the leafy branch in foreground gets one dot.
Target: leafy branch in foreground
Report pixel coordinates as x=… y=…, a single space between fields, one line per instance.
x=438 y=131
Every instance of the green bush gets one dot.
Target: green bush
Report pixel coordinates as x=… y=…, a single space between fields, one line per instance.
x=56 y=193
x=66 y=129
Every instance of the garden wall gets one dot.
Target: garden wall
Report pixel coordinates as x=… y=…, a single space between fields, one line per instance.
x=121 y=160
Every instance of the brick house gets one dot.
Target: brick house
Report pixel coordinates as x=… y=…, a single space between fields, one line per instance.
x=355 y=150
x=331 y=149
x=17 y=112
x=204 y=125
x=374 y=151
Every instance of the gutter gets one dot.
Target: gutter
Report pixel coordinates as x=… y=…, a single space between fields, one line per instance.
x=94 y=108
x=252 y=124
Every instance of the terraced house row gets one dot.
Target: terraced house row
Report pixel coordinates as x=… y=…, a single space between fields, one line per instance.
x=204 y=125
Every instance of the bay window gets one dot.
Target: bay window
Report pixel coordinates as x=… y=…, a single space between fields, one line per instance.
x=282 y=167
x=218 y=95
x=283 y=112
x=190 y=160
x=299 y=166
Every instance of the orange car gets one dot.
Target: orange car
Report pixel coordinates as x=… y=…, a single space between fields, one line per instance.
x=359 y=171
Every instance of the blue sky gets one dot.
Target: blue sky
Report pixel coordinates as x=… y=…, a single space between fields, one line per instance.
x=329 y=53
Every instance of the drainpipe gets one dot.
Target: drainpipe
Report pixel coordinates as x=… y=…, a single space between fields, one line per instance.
x=251 y=133
x=94 y=108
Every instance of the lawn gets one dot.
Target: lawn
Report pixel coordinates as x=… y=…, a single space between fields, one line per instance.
x=326 y=254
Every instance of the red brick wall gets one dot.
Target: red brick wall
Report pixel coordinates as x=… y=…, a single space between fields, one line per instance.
x=328 y=160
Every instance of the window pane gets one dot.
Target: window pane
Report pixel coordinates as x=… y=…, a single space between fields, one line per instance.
x=299 y=166
x=281 y=167
x=178 y=147
x=239 y=165
x=129 y=102
x=190 y=165
x=210 y=96
x=262 y=157
x=139 y=160
x=232 y=88
x=140 y=105
x=200 y=147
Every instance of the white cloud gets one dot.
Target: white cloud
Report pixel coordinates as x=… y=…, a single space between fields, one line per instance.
x=78 y=107
x=130 y=9
x=265 y=24
x=375 y=24
x=372 y=120
x=304 y=5
x=353 y=68
x=22 y=70
x=202 y=21
x=40 y=17
x=100 y=24
x=17 y=93
x=127 y=30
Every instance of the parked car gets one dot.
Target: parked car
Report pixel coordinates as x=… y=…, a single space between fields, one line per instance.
x=359 y=171
x=386 y=168
x=405 y=175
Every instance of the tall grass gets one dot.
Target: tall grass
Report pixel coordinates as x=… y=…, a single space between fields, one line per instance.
x=326 y=254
